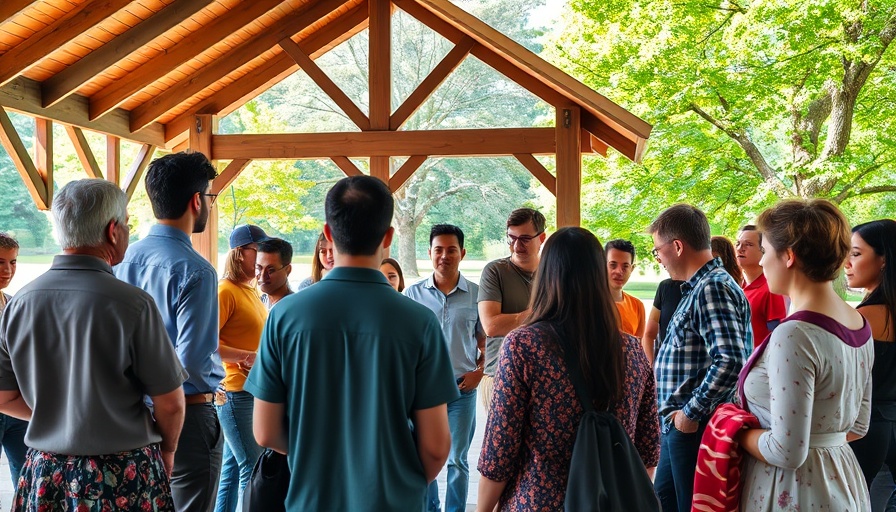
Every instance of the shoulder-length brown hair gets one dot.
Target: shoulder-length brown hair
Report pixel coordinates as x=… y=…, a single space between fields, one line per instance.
x=571 y=294
x=725 y=249
x=233 y=268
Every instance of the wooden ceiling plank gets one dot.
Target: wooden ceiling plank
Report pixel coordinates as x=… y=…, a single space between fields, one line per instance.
x=326 y=84
x=14 y=146
x=135 y=173
x=407 y=169
x=23 y=95
x=270 y=72
x=85 y=154
x=10 y=8
x=348 y=167
x=74 y=23
x=432 y=81
x=228 y=175
x=185 y=49
x=539 y=171
x=246 y=51
x=69 y=79
x=379 y=64
x=294 y=146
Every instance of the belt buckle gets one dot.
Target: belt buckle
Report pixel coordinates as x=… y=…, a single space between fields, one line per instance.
x=220 y=397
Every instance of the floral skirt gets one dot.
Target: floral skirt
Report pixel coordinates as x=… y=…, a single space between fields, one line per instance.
x=133 y=480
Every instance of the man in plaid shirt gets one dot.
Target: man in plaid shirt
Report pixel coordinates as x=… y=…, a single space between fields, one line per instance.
x=707 y=343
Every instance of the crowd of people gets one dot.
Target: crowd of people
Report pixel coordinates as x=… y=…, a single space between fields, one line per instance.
x=132 y=378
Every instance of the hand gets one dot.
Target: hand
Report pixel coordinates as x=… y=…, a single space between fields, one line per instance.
x=470 y=380
x=684 y=424
x=168 y=462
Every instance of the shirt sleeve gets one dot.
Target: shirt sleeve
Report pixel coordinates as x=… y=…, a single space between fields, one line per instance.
x=197 y=325
x=724 y=323
x=490 y=284
x=777 y=310
x=8 y=380
x=153 y=359
x=863 y=421
x=435 y=377
x=265 y=380
x=658 y=298
x=500 y=458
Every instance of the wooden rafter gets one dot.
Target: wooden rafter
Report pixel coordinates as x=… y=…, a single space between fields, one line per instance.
x=243 y=53
x=228 y=175
x=432 y=81
x=137 y=168
x=69 y=79
x=539 y=171
x=279 y=66
x=347 y=166
x=10 y=8
x=34 y=182
x=325 y=83
x=23 y=95
x=115 y=93
x=407 y=169
x=56 y=34
x=477 y=142
x=85 y=154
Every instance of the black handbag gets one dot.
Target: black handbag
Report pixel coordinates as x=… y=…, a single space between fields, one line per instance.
x=606 y=472
x=267 y=488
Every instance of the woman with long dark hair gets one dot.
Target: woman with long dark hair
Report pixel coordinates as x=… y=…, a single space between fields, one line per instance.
x=531 y=429
x=872 y=265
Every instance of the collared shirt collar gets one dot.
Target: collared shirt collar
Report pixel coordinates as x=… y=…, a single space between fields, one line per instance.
x=79 y=262
x=461 y=283
x=170 y=232
x=360 y=274
x=700 y=274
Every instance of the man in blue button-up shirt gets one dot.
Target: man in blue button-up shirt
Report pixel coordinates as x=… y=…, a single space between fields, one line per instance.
x=184 y=286
x=453 y=299
x=707 y=343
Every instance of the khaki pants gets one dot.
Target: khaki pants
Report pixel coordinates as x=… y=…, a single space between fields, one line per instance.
x=486 y=388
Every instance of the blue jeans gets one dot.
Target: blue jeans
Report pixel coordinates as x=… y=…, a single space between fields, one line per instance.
x=12 y=437
x=462 y=424
x=240 y=449
x=674 y=482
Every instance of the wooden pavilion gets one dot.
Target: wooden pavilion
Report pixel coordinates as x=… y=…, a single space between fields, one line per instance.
x=160 y=73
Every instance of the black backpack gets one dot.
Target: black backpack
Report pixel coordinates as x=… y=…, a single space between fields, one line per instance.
x=606 y=472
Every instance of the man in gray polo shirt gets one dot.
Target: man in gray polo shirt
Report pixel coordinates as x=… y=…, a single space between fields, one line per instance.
x=79 y=349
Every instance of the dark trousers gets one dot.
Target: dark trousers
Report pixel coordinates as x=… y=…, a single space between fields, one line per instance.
x=872 y=451
x=674 y=482
x=197 y=462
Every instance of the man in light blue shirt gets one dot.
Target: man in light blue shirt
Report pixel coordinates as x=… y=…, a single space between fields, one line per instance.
x=453 y=300
x=184 y=286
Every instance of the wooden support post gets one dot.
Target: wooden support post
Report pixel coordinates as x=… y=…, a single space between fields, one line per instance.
x=380 y=78
x=113 y=159
x=569 y=165
x=43 y=153
x=206 y=243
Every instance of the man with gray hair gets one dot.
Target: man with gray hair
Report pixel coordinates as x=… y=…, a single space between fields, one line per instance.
x=79 y=350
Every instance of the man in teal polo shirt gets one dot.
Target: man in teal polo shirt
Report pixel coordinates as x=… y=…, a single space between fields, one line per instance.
x=352 y=379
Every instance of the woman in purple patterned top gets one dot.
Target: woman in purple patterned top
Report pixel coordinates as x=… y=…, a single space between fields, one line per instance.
x=531 y=429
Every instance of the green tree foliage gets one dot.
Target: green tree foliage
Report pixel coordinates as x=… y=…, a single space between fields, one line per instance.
x=751 y=102
x=18 y=213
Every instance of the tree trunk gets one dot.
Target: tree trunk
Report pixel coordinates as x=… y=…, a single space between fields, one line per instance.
x=407 y=246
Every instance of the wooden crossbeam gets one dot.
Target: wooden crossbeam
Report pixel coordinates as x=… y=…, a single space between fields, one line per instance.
x=325 y=83
x=271 y=71
x=137 y=168
x=243 y=53
x=85 y=154
x=348 y=167
x=295 y=146
x=432 y=81
x=121 y=89
x=34 y=182
x=69 y=79
x=43 y=153
x=539 y=171
x=407 y=169
x=10 y=8
x=23 y=95
x=228 y=175
x=74 y=23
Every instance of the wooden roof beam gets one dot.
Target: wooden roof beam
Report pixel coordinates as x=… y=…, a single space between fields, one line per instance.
x=229 y=175
x=271 y=71
x=407 y=169
x=23 y=95
x=237 y=17
x=75 y=22
x=69 y=79
x=243 y=53
x=539 y=171
x=432 y=81
x=325 y=83
x=10 y=8
x=347 y=166
x=137 y=168
x=85 y=154
x=296 y=146
x=37 y=184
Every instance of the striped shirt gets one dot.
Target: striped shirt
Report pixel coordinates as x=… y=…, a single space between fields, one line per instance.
x=707 y=343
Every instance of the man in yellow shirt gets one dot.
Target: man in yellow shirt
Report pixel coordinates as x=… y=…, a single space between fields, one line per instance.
x=620 y=264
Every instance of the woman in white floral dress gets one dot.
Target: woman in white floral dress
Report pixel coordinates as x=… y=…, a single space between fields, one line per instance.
x=810 y=382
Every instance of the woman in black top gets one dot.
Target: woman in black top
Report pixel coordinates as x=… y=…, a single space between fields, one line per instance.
x=872 y=266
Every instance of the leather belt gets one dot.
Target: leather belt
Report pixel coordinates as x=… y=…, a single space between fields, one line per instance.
x=199 y=398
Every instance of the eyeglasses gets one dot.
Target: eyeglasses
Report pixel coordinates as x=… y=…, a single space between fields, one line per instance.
x=656 y=250
x=268 y=270
x=211 y=198
x=524 y=239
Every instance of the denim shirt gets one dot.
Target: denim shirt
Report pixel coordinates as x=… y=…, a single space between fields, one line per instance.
x=184 y=286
